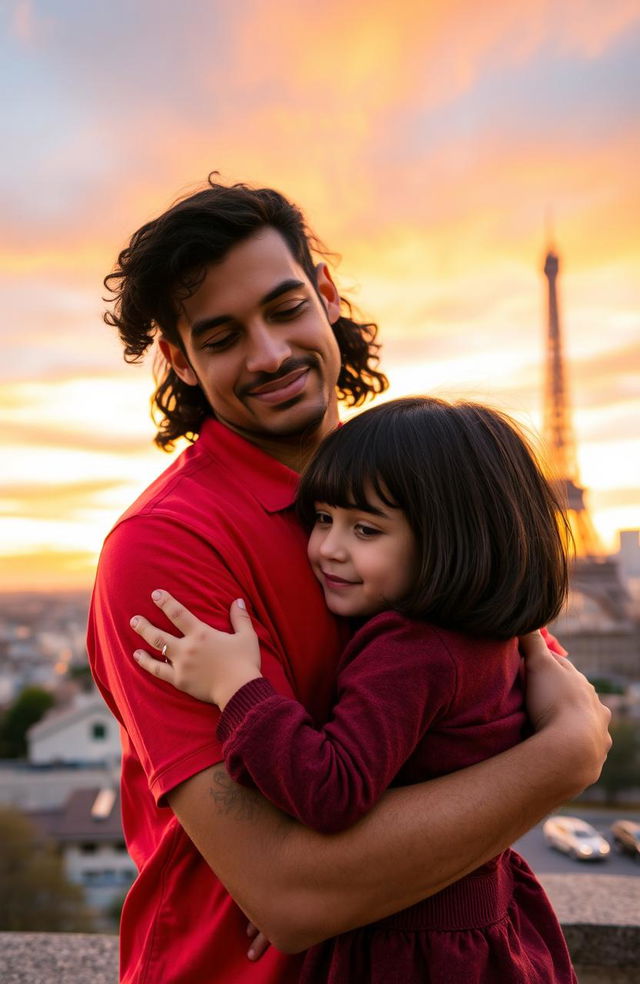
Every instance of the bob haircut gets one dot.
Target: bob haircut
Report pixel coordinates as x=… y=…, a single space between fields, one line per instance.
x=167 y=260
x=489 y=530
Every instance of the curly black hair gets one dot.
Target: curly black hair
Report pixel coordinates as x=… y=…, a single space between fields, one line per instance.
x=166 y=261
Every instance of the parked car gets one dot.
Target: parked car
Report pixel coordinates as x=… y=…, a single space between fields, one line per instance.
x=575 y=837
x=626 y=837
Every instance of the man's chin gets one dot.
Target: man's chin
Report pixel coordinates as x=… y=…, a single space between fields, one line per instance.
x=290 y=424
x=305 y=424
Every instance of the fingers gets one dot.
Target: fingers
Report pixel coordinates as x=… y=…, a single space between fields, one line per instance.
x=533 y=646
x=151 y=634
x=240 y=618
x=259 y=944
x=175 y=612
x=164 y=671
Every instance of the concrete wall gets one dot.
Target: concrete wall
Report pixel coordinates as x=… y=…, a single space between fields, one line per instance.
x=600 y=915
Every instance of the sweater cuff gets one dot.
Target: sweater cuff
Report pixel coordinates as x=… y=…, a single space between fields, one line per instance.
x=244 y=699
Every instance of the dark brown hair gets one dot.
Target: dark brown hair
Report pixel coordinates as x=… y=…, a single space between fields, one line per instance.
x=488 y=528
x=166 y=261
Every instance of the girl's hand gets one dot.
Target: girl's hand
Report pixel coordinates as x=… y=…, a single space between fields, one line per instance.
x=259 y=942
x=205 y=663
x=559 y=696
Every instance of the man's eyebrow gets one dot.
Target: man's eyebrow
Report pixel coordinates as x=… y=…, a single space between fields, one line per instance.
x=282 y=288
x=206 y=324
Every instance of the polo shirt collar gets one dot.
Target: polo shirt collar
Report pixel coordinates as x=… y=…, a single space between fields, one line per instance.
x=273 y=484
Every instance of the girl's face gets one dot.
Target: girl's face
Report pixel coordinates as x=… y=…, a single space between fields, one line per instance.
x=364 y=559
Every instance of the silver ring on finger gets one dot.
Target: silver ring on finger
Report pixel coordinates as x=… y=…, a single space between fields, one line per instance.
x=163 y=653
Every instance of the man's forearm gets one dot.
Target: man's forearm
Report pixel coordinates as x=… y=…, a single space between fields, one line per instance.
x=300 y=887
x=422 y=838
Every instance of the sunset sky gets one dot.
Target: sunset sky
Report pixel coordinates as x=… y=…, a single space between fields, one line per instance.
x=437 y=146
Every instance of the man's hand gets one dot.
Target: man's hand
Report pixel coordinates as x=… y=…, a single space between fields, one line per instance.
x=559 y=696
x=205 y=663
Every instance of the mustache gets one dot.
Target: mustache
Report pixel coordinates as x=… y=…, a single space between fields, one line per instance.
x=309 y=361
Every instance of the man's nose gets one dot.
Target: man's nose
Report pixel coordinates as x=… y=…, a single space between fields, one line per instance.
x=268 y=349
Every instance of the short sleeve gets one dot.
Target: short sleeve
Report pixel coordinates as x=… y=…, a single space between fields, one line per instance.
x=172 y=733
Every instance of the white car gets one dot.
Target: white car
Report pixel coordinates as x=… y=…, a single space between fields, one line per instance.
x=575 y=837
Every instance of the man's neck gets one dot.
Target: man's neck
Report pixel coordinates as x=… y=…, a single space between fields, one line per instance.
x=294 y=454
x=293 y=450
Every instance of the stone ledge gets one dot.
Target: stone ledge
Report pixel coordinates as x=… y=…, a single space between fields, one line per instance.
x=63 y=958
x=600 y=915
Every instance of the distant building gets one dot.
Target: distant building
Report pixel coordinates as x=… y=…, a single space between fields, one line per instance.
x=83 y=734
x=628 y=558
x=69 y=789
x=88 y=832
x=30 y=788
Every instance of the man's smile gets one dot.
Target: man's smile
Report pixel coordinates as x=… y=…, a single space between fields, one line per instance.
x=282 y=388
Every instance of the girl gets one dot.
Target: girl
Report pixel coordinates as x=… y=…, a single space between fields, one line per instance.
x=432 y=525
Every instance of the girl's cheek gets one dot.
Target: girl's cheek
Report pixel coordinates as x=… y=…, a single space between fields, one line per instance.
x=312 y=548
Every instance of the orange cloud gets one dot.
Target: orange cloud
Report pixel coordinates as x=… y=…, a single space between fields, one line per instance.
x=40 y=435
x=51 y=500
x=47 y=570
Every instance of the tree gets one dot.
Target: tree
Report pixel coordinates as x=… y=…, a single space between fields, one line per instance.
x=81 y=674
x=27 y=709
x=606 y=686
x=622 y=768
x=114 y=912
x=35 y=894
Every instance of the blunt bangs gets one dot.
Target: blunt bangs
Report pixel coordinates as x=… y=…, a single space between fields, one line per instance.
x=348 y=466
x=489 y=530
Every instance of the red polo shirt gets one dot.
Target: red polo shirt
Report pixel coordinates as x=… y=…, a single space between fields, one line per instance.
x=217 y=525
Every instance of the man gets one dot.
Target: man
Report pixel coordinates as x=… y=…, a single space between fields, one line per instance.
x=256 y=343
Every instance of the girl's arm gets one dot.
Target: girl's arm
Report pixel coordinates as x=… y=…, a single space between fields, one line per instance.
x=327 y=778
x=301 y=887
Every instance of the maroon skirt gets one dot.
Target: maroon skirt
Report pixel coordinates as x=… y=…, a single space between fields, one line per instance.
x=496 y=926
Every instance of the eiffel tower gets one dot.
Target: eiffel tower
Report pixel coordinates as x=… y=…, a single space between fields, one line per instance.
x=592 y=574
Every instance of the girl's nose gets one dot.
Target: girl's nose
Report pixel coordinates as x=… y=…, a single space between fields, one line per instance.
x=333 y=546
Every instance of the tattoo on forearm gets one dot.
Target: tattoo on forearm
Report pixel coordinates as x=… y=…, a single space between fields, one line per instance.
x=231 y=799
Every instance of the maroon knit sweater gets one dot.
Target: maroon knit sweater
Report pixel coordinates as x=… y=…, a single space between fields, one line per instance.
x=413 y=701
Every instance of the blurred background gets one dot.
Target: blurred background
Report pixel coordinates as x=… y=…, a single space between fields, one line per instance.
x=443 y=149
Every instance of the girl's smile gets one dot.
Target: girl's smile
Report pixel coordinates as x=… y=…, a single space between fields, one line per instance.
x=364 y=558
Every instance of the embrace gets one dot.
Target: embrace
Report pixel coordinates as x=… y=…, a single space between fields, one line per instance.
x=319 y=681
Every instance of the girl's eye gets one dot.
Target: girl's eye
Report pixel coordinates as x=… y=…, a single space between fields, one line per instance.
x=323 y=519
x=367 y=531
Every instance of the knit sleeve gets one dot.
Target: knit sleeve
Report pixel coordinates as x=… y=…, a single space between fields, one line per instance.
x=396 y=679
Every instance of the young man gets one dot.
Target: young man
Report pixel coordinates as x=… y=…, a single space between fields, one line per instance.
x=257 y=345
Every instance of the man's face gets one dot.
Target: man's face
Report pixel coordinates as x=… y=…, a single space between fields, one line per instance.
x=257 y=338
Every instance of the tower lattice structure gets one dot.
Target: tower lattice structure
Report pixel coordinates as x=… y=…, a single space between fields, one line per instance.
x=593 y=574
x=557 y=426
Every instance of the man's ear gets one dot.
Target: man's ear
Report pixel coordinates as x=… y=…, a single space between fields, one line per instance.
x=328 y=292
x=178 y=362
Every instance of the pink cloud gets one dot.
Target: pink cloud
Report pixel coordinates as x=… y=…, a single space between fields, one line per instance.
x=27 y=25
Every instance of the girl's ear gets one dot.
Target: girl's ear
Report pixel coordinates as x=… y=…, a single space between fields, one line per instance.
x=328 y=292
x=178 y=362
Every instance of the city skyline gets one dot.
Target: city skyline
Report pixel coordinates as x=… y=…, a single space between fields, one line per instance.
x=427 y=143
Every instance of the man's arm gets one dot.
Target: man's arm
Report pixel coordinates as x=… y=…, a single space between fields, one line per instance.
x=301 y=887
